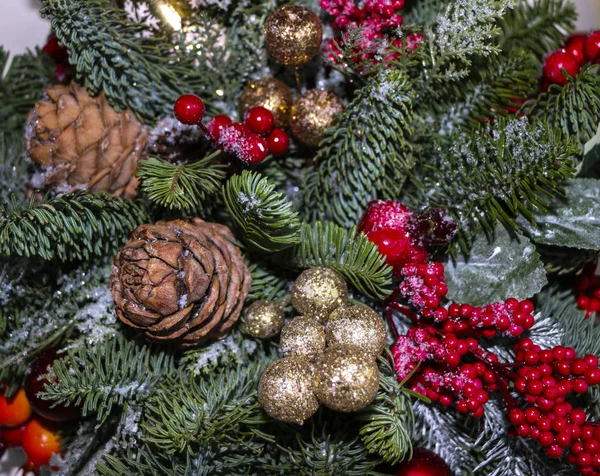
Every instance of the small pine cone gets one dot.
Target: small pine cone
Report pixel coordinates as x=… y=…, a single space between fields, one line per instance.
x=81 y=142
x=176 y=142
x=180 y=281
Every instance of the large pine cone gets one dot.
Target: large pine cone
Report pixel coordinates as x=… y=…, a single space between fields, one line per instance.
x=180 y=281
x=83 y=143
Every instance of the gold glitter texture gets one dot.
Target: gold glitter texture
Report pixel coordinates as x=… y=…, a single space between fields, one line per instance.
x=293 y=35
x=286 y=390
x=347 y=378
x=313 y=113
x=357 y=326
x=318 y=291
x=264 y=319
x=270 y=93
x=303 y=336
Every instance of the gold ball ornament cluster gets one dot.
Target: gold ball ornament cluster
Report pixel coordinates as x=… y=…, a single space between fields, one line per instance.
x=313 y=113
x=270 y=93
x=264 y=319
x=339 y=345
x=293 y=35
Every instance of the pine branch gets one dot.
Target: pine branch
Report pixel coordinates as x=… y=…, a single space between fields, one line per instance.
x=353 y=158
x=264 y=218
x=266 y=284
x=182 y=187
x=133 y=71
x=100 y=378
x=537 y=26
x=349 y=253
x=68 y=227
x=574 y=109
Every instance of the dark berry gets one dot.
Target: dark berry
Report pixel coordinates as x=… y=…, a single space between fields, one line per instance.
x=216 y=125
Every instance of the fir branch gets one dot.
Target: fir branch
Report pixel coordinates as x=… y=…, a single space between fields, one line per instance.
x=266 y=284
x=574 y=109
x=263 y=217
x=183 y=186
x=99 y=378
x=353 y=158
x=68 y=227
x=538 y=26
x=109 y=56
x=349 y=253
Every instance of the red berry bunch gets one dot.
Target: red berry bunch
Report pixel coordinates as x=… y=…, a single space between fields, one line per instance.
x=588 y=291
x=579 y=50
x=63 y=71
x=375 y=18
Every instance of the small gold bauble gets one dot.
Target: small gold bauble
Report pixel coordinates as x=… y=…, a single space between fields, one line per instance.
x=347 y=378
x=313 y=113
x=286 y=390
x=358 y=326
x=293 y=35
x=264 y=319
x=272 y=94
x=303 y=336
x=318 y=291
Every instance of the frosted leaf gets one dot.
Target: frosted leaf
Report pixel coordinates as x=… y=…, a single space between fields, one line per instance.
x=496 y=270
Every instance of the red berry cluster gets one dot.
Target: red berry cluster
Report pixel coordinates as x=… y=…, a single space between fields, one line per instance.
x=245 y=141
x=579 y=50
x=375 y=17
x=588 y=291
x=63 y=71
x=442 y=357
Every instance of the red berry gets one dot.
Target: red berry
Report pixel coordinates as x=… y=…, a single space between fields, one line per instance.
x=584 y=460
x=583 y=302
x=53 y=48
x=592 y=376
x=578 y=366
x=278 y=142
x=555 y=63
x=578 y=416
x=14 y=411
x=12 y=437
x=259 y=119
x=216 y=125
x=397 y=247
x=563 y=439
x=189 y=109
x=591 y=446
x=523 y=430
x=591 y=360
x=253 y=149
x=575 y=48
x=63 y=72
x=580 y=386
x=40 y=441
x=591 y=46
x=389 y=214
x=516 y=416
x=554 y=451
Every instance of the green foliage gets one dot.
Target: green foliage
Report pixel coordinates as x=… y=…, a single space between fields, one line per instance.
x=475 y=280
x=73 y=226
x=353 y=158
x=110 y=55
x=182 y=187
x=107 y=376
x=537 y=26
x=263 y=217
x=266 y=283
x=349 y=253
x=573 y=108
x=497 y=173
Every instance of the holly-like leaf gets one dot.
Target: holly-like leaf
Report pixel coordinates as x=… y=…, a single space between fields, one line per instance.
x=573 y=222
x=591 y=155
x=505 y=266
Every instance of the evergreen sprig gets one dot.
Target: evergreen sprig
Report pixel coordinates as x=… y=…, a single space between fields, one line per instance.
x=184 y=186
x=106 y=376
x=347 y=252
x=69 y=227
x=353 y=159
x=266 y=283
x=111 y=55
x=263 y=217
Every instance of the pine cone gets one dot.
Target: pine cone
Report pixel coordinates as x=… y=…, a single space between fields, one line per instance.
x=83 y=143
x=176 y=142
x=181 y=281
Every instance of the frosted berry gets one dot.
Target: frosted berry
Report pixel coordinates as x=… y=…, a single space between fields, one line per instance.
x=278 y=142
x=385 y=214
x=591 y=46
x=575 y=48
x=189 y=109
x=216 y=125
x=260 y=120
x=397 y=247
x=253 y=150
x=555 y=63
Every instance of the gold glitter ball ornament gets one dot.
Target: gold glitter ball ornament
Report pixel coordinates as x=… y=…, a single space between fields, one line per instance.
x=286 y=390
x=303 y=336
x=264 y=319
x=347 y=378
x=272 y=94
x=313 y=113
x=358 y=326
x=318 y=291
x=293 y=35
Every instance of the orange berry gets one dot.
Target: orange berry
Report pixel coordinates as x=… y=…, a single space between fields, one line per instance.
x=40 y=441
x=14 y=411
